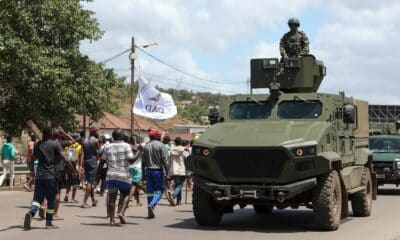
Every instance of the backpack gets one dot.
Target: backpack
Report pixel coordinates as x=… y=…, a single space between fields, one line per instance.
x=72 y=154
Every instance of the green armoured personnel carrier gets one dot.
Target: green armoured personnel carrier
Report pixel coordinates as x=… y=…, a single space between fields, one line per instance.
x=384 y=142
x=290 y=148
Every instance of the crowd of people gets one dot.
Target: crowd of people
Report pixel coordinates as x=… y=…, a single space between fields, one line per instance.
x=115 y=166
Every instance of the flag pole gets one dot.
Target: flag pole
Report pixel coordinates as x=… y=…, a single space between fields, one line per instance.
x=132 y=57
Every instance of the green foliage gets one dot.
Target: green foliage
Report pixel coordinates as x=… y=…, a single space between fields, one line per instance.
x=200 y=101
x=194 y=113
x=43 y=74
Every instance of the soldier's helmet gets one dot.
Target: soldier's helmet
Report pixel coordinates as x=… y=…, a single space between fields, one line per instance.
x=294 y=21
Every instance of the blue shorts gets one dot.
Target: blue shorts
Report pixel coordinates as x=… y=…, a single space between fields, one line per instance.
x=115 y=184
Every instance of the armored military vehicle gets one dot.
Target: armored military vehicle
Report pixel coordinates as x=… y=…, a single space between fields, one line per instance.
x=292 y=147
x=384 y=142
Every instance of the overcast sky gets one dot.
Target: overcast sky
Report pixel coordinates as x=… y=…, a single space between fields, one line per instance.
x=359 y=41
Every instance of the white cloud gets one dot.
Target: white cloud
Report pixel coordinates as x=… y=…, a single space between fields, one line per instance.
x=357 y=39
x=181 y=27
x=359 y=46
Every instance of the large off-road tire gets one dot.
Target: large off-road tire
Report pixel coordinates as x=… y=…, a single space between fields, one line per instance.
x=206 y=211
x=263 y=209
x=361 y=202
x=327 y=201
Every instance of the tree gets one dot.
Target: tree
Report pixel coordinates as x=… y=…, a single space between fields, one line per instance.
x=194 y=113
x=43 y=74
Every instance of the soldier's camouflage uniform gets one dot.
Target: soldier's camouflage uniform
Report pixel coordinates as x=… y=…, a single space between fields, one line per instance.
x=294 y=44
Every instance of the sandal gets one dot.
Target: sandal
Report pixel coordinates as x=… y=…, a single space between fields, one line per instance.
x=75 y=201
x=94 y=204
x=85 y=206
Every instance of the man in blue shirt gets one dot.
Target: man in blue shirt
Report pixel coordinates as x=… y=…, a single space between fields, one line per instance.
x=8 y=157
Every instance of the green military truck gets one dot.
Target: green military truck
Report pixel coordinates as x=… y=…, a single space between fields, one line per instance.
x=290 y=148
x=384 y=142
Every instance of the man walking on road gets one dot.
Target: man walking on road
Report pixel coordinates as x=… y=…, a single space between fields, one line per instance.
x=29 y=161
x=74 y=155
x=91 y=147
x=47 y=152
x=8 y=158
x=155 y=166
x=178 y=154
x=61 y=174
x=118 y=155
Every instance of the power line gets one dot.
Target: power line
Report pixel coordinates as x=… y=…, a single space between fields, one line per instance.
x=184 y=83
x=183 y=72
x=117 y=55
x=225 y=83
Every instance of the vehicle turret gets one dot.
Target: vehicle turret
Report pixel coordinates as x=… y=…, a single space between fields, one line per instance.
x=301 y=74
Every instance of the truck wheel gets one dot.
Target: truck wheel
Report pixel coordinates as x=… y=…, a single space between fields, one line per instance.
x=263 y=209
x=206 y=211
x=327 y=201
x=361 y=202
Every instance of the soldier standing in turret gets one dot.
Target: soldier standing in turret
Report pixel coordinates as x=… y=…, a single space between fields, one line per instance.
x=295 y=42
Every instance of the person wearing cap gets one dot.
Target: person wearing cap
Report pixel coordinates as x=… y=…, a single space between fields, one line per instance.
x=74 y=155
x=155 y=167
x=91 y=147
x=295 y=42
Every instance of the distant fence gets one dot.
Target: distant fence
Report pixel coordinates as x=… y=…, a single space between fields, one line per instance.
x=384 y=113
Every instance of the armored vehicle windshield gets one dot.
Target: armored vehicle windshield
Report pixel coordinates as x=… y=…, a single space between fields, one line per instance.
x=250 y=110
x=384 y=144
x=299 y=109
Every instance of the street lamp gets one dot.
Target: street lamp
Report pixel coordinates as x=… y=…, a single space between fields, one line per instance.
x=132 y=57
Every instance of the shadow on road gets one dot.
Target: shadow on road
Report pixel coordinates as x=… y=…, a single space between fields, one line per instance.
x=184 y=211
x=106 y=224
x=71 y=205
x=389 y=191
x=245 y=220
x=18 y=227
x=99 y=217
x=137 y=217
x=26 y=207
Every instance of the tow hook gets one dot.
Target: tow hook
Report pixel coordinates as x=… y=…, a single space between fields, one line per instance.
x=281 y=197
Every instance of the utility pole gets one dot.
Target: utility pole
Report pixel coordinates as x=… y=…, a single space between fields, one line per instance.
x=132 y=57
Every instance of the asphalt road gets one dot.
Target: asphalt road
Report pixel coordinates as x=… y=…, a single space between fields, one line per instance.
x=178 y=223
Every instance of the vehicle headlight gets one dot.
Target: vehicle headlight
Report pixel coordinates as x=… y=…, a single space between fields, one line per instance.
x=201 y=151
x=305 y=151
x=397 y=163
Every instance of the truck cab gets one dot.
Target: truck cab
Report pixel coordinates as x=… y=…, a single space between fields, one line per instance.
x=386 y=155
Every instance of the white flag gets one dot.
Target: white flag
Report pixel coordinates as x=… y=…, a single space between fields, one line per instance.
x=152 y=103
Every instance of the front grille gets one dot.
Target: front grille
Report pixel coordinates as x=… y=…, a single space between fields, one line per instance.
x=381 y=165
x=250 y=163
